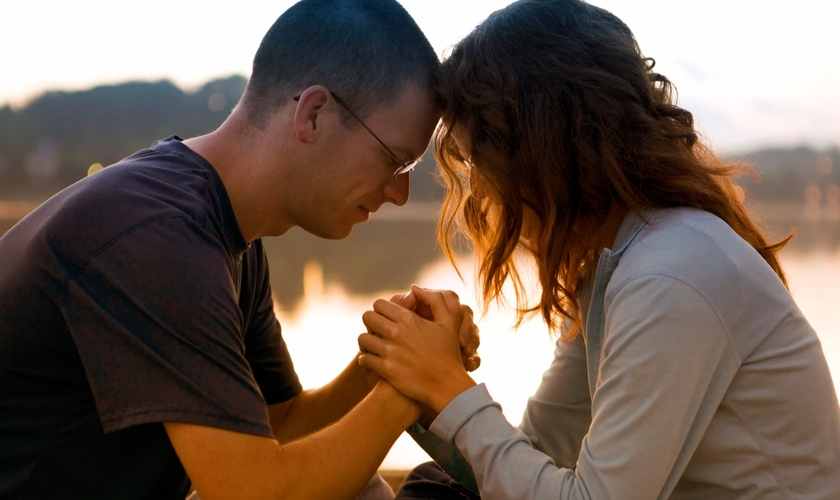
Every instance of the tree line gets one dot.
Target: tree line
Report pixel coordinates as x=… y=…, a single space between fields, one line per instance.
x=53 y=141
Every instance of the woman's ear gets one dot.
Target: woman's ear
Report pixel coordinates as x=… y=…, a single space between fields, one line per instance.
x=308 y=116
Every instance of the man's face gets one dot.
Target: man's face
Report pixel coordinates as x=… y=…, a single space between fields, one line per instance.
x=355 y=175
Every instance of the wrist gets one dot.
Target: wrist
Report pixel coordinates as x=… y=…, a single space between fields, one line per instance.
x=403 y=408
x=427 y=416
x=454 y=389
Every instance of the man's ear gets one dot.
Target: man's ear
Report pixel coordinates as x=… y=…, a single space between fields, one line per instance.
x=310 y=112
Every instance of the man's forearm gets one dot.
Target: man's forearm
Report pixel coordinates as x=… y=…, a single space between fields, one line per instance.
x=225 y=464
x=365 y=434
x=315 y=409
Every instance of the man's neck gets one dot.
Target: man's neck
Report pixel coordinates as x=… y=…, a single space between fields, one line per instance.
x=235 y=153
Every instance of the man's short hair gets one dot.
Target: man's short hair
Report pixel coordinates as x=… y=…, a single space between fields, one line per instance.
x=365 y=51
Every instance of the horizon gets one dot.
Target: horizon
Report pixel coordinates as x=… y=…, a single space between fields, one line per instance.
x=827 y=148
x=754 y=75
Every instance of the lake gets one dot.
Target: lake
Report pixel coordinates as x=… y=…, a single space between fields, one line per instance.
x=321 y=332
x=323 y=287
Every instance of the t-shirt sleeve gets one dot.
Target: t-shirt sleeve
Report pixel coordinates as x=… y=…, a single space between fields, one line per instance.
x=155 y=317
x=265 y=349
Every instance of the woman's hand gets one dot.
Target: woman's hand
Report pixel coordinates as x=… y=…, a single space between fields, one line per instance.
x=468 y=334
x=421 y=357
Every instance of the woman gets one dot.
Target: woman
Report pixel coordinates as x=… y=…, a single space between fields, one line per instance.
x=684 y=368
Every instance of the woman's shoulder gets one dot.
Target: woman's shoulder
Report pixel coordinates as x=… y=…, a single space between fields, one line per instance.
x=696 y=248
x=680 y=236
x=688 y=226
x=690 y=258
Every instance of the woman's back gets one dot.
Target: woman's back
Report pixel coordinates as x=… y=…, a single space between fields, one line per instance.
x=705 y=379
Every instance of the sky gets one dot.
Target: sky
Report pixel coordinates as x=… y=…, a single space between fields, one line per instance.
x=755 y=73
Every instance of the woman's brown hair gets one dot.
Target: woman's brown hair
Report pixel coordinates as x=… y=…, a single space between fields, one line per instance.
x=563 y=118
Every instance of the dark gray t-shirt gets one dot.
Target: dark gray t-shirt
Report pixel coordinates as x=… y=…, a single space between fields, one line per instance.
x=127 y=300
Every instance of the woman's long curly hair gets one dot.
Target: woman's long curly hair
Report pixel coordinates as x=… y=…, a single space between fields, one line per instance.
x=562 y=119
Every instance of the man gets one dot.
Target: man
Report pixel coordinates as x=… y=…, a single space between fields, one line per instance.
x=137 y=335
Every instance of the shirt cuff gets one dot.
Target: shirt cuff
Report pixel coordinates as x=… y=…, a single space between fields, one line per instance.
x=460 y=410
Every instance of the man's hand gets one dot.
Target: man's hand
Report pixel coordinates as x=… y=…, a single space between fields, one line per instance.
x=421 y=358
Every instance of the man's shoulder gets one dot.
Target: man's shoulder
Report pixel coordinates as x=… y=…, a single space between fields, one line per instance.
x=130 y=196
x=150 y=184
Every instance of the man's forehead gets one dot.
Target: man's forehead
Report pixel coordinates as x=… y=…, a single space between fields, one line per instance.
x=410 y=120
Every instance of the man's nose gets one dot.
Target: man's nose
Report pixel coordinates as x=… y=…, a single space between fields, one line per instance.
x=397 y=189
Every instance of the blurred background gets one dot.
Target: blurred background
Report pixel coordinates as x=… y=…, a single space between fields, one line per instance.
x=86 y=83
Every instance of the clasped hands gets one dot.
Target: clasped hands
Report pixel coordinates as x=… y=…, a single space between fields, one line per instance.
x=423 y=343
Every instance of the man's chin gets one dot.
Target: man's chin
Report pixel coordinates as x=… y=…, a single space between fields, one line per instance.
x=333 y=233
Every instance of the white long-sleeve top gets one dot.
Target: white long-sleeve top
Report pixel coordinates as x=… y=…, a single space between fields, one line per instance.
x=696 y=377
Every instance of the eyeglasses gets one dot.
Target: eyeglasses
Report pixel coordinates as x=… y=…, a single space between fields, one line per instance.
x=403 y=167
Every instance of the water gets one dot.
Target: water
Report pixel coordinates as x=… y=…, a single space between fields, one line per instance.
x=321 y=329
x=321 y=333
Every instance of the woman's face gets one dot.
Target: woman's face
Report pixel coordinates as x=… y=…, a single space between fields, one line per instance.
x=530 y=220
